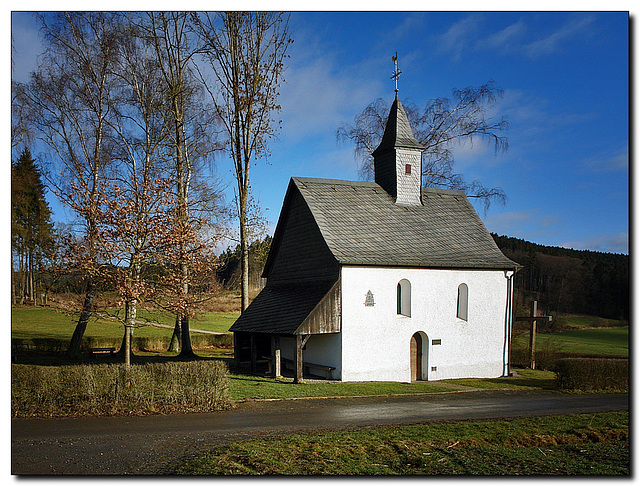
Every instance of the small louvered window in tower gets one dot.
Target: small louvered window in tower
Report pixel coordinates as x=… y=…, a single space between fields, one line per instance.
x=407 y=169
x=463 y=302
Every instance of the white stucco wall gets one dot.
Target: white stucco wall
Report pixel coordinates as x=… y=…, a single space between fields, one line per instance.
x=325 y=349
x=375 y=341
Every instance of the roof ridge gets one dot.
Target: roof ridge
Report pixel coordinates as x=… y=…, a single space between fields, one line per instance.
x=344 y=182
x=334 y=181
x=442 y=190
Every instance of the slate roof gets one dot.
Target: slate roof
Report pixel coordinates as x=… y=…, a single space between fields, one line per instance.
x=397 y=131
x=280 y=308
x=362 y=225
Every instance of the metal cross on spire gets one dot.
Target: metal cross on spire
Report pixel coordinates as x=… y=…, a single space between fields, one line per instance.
x=396 y=73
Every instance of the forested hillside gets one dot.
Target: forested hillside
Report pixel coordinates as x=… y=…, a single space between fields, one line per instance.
x=229 y=271
x=569 y=281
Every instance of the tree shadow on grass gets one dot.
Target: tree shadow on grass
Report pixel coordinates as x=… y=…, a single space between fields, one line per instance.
x=61 y=359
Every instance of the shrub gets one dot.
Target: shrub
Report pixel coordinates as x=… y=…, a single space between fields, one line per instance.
x=112 y=389
x=589 y=374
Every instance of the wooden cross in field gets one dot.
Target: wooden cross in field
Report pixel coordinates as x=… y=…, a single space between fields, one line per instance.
x=532 y=332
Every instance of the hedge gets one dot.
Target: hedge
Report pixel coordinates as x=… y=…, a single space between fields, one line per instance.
x=114 y=389
x=590 y=374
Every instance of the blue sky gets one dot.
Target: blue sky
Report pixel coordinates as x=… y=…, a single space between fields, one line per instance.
x=566 y=95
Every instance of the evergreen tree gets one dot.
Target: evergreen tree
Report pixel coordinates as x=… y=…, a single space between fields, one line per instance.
x=31 y=226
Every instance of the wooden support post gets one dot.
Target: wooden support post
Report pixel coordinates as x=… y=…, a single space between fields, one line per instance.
x=298 y=375
x=236 y=350
x=276 y=357
x=275 y=352
x=276 y=365
x=532 y=336
x=254 y=354
x=301 y=340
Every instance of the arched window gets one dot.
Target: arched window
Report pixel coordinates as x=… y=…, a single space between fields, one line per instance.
x=463 y=302
x=404 y=298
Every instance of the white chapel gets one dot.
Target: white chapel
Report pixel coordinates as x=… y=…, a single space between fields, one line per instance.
x=381 y=281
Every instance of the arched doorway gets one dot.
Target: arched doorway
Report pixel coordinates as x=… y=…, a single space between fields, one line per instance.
x=418 y=357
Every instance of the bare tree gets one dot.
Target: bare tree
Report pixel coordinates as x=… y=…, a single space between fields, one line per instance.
x=69 y=97
x=190 y=137
x=442 y=124
x=246 y=51
x=140 y=197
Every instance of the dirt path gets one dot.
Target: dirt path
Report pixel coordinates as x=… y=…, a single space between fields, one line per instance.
x=156 y=444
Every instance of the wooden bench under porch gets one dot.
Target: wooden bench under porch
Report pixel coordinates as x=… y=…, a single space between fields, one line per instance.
x=321 y=370
x=93 y=352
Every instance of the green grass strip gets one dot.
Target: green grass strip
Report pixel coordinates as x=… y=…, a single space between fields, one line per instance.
x=590 y=444
x=245 y=387
x=613 y=342
x=46 y=322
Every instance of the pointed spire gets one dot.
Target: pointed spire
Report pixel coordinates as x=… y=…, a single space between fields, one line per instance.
x=397 y=133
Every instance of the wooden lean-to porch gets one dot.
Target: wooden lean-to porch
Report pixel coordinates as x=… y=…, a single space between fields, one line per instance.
x=280 y=322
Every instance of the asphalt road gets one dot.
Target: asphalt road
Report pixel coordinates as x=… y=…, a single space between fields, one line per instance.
x=156 y=444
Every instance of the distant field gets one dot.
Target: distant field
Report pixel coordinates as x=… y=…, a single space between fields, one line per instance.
x=613 y=341
x=41 y=322
x=579 y=322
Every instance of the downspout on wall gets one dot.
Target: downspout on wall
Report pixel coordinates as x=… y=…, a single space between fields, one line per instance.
x=508 y=323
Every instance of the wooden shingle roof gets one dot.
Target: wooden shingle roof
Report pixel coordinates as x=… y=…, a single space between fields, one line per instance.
x=362 y=225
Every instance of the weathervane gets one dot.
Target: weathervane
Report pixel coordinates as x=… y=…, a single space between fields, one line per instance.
x=396 y=73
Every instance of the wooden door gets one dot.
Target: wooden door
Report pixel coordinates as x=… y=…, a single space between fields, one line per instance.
x=416 y=357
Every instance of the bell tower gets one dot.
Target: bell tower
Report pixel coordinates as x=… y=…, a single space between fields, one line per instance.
x=397 y=162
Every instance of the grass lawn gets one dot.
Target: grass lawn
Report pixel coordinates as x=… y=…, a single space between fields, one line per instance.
x=589 y=444
x=245 y=387
x=214 y=321
x=614 y=341
x=46 y=322
x=43 y=322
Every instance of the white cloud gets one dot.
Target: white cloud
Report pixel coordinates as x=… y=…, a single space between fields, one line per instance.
x=610 y=162
x=26 y=45
x=605 y=243
x=414 y=21
x=553 y=42
x=513 y=38
x=505 y=223
x=456 y=40
x=529 y=224
x=317 y=95
x=504 y=40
